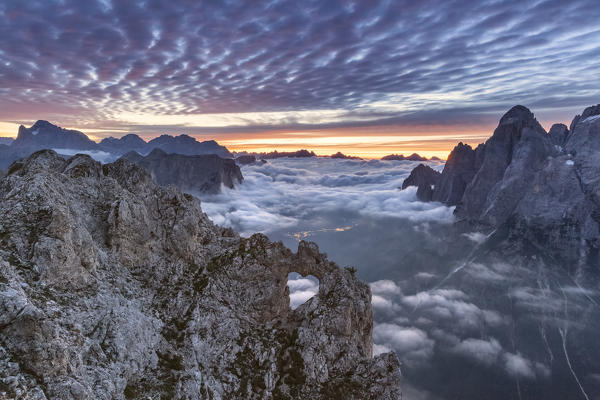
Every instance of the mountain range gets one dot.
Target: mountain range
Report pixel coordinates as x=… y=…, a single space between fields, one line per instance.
x=44 y=135
x=535 y=189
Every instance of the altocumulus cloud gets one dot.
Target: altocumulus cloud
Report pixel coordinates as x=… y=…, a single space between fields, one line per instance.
x=401 y=62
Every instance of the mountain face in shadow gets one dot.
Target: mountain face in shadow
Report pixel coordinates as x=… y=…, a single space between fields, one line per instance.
x=44 y=135
x=536 y=189
x=194 y=174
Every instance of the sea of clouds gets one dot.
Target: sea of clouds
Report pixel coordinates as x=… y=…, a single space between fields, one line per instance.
x=288 y=193
x=461 y=329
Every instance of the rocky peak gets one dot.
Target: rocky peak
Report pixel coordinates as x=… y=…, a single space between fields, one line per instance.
x=517 y=113
x=402 y=157
x=43 y=134
x=43 y=124
x=245 y=159
x=125 y=144
x=536 y=190
x=113 y=287
x=587 y=113
x=425 y=179
x=505 y=144
x=461 y=166
x=558 y=134
x=157 y=153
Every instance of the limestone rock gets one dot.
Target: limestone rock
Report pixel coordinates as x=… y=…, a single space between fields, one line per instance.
x=499 y=152
x=245 y=159
x=112 y=287
x=531 y=190
x=342 y=156
x=195 y=174
x=44 y=135
x=425 y=178
x=460 y=168
x=558 y=134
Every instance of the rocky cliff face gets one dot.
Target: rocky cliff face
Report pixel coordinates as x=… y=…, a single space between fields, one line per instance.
x=199 y=173
x=425 y=179
x=535 y=190
x=112 y=287
x=459 y=170
x=44 y=135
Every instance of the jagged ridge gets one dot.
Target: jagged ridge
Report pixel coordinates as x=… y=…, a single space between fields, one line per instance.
x=537 y=190
x=113 y=287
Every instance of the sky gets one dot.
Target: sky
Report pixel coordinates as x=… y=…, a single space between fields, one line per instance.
x=365 y=77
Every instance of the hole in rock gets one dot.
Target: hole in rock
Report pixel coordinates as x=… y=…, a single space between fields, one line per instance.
x=302 y=288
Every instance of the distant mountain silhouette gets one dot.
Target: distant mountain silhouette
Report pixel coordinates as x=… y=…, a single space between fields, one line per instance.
x=402 y=157
x=45 y=135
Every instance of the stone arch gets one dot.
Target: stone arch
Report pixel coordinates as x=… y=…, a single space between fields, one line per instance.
x=302 y=288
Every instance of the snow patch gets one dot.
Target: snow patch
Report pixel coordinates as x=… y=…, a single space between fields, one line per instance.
x=592 y=118
x=570 y=162
x=34 y=133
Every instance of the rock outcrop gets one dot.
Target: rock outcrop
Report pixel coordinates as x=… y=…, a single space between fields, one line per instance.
x=112 y=287
x=195 y=174
x=460 y=168
x=533 y=190
x=425 y=179
x=558 y=134
x=246 y=159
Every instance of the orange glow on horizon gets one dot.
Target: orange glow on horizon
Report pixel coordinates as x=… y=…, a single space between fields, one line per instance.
x=372 y=142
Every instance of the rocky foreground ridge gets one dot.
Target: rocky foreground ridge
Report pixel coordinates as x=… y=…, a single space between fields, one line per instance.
x=112 y=287
x=536 y=192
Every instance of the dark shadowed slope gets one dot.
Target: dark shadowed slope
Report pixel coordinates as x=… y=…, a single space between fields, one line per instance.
x=198 y=173
x=537 y=189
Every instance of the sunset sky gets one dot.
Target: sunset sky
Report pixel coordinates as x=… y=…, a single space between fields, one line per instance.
x=366 y=78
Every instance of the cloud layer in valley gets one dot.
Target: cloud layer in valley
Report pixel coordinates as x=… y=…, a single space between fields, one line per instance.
x=302 y=194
